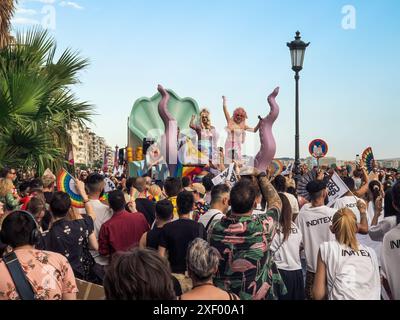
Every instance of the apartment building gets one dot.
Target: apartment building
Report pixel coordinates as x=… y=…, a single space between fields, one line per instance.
x=88 y=148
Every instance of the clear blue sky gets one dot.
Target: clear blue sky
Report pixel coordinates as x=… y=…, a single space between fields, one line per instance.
x=206 y=48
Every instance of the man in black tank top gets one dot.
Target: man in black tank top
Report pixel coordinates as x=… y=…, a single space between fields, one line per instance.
x=164 y=214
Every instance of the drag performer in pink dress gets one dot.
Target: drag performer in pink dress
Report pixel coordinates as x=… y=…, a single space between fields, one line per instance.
x=236 y=130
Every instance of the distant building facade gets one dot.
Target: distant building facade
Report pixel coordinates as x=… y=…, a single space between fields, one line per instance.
x=88 y=148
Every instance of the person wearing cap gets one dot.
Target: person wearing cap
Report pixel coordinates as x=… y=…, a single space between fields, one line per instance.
x=314 y=221
x=201 y=207
x=48 y=180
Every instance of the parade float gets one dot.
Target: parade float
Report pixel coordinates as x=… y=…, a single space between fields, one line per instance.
x=156 y=127
x=170 y=136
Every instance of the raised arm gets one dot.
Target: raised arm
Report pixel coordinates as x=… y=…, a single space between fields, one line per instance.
x=364 y=188
x=378 y=207
x=80 y=185
x=226 y=112
x=249 y=129
x=269 y=193
x=363 y=225
x=192 y=124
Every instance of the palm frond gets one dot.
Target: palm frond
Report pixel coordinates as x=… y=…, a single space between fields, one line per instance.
x=7 y=8
x=37 y=104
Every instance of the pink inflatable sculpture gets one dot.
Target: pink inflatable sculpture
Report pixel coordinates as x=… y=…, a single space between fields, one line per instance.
x=268 y=145
x=169 y=140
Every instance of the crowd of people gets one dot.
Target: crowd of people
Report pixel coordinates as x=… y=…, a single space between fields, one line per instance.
x=186 y=239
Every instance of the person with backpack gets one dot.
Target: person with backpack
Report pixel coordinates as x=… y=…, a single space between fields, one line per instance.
x=72 y=235
x=27 y=273
x=219 y=206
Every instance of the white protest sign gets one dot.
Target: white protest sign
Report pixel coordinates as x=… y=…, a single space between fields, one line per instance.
x=288 y=170
x=109 y=185
x=336 y=189
x=227 y=176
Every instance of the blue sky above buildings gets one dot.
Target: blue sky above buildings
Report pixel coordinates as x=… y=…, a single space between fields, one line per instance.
x=208 y=48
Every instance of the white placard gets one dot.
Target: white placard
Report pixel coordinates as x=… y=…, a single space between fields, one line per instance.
x=109 y=185
x=336 y=189
x=227 y=176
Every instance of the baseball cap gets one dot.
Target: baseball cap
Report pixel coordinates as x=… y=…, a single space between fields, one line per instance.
x=197 y=187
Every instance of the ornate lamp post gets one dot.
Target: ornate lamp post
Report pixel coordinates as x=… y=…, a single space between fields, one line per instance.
x=297 y=52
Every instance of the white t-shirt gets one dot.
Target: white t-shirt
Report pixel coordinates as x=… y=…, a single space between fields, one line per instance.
x=314 y=223
x=205 y=218
x=378 y=231
x=287 y=254
x=351 y=203
x=103 y=214
x=391 y=260
x=348 y=202
x=367 y=241
x=351 y=275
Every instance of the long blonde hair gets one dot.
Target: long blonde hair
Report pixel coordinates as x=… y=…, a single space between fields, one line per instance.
x=155 y=191
x=6 y=186
x=344 y=225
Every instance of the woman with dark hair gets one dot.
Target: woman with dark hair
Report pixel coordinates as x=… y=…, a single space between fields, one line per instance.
x=375 y=214
x=388 y=208
x=286 y=249
x=49 y=274
x=281 y=185
x=139 y=275
x=72 y=235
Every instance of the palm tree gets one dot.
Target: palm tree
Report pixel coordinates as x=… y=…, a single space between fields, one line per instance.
x=37 y=105
x=6 y=12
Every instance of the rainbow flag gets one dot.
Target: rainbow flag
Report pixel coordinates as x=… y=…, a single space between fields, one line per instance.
x=187 y=171
x=66 y=183
x=368 y=158
x=277 y=167
x=104 y=198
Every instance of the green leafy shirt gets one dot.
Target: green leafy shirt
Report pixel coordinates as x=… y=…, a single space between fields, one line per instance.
x=247 y=267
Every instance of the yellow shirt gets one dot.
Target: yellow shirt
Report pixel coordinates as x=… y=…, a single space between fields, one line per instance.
x=173 y=201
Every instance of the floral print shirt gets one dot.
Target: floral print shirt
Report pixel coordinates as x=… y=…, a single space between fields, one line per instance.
x=49 y=274
x=247 y=267
x=71 y=239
